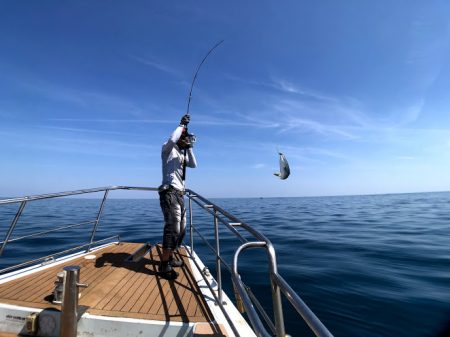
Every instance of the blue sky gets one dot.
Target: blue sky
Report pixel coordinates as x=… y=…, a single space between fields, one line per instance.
x=355 y=93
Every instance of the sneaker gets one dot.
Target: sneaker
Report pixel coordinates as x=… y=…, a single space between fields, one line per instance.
x=166 y=271
x=169 y=275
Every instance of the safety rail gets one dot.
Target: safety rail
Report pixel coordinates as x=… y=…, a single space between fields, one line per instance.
x=244 y=294
x=278 y=284
x=23 y=201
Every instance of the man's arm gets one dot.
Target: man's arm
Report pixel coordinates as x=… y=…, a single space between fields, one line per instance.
x=168 y=146
x=190 y=159
x=176 y=134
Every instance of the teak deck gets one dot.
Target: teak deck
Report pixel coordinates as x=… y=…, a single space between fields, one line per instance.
x=118 y=288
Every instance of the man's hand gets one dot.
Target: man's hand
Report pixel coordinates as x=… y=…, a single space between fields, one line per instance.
x=185 y=120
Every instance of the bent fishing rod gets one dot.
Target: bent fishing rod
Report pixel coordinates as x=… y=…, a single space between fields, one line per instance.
x=190 y=96
x=196 y=73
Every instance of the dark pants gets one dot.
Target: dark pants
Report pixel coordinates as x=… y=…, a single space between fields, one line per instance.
x=172 y=206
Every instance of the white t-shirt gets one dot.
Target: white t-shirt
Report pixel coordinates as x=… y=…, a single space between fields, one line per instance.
x=172 y=161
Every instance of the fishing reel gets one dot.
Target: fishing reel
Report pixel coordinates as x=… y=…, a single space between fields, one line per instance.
x=187 y=140
x=191 y=138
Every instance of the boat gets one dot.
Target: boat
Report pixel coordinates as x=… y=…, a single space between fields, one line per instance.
x=112 y=288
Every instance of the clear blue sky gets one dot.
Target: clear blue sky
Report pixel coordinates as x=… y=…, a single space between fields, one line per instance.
x=355 y=93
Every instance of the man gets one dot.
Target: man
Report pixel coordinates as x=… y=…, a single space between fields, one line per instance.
x=171 y=194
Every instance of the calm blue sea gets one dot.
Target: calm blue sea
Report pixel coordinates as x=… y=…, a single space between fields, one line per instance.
x=366 y=265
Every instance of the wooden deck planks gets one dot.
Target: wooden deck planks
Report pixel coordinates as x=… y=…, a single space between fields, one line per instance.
x=119 y=288
x=175 y=308
x=149 y=284
x=31 y=287
x=11 y=289
x=137 y=291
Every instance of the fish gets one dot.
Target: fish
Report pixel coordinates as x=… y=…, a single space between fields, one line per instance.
x=284 y=168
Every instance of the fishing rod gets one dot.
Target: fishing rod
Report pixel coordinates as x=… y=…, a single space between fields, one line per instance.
x=190 y=95
x=196 y=73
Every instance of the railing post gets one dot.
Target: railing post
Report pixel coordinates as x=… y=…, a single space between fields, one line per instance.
x=252 y=314
x=97 y=220
x=191 y=229
x=218 y=262
x=13 y=225
x=69 y=305
x=276 y=294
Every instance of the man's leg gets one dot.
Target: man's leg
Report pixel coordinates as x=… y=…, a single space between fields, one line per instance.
x=180 y=214
x=165 y=267
x=166 y=254
x=169 y=207
x=182 y=228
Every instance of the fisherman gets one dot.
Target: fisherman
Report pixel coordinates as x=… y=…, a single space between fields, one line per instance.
x=176 y=154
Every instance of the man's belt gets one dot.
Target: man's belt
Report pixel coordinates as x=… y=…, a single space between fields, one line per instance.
x=170 y=188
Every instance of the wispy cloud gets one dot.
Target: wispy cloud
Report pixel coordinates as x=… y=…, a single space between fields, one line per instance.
x=259 y=166
x=293 y=123
x=58 y=93
x=156 y=65
x=247 y=81
x=113 y=120
x=293 y=108
x=289 y=87
x=289 y=115
x=112 y=144
x=254 y=121
x=67 y=144
x=81 y=130
x=430 y=44
x=284 y=86
x=85 y=99
x=97 y=149
x=288 y=110
x=412 y=113
x=199 y=120
x=309 y=152
x=345 y=118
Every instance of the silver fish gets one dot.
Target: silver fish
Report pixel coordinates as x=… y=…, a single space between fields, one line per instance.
x=284 y=167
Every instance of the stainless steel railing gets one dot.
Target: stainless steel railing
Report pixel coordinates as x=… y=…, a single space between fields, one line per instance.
x=278 y=285
x=251 y=304
x=23 y=201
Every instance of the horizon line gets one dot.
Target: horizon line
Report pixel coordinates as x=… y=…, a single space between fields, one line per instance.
x=237 y=197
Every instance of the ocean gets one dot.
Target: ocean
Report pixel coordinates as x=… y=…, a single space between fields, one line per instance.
x=376 y=265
